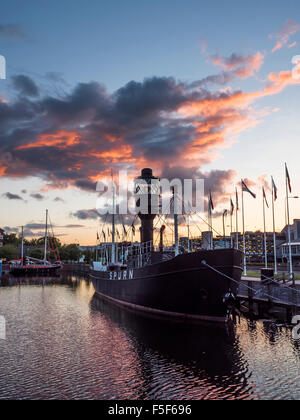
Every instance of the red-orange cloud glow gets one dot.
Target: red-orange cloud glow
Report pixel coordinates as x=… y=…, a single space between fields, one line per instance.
x=60 y=140
x=2 y=169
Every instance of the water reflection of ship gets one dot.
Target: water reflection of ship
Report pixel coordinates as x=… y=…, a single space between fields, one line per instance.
x=203 y=354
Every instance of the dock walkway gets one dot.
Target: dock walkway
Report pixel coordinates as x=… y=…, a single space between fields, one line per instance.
x=284 y=295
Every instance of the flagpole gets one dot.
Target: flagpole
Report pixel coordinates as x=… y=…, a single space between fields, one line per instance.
x=288 y=222
x=265 y=239
x=244 y=239
x=210 y=221
x=176 y=237
x=274 y=231
x=188 y=226
x=231 y=239
x=224 y=233
x=211 y=231
x=237 y=220
x=209 y=224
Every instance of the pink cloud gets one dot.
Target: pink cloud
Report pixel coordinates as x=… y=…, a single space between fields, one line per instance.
x=284 y=33
x=242 y=66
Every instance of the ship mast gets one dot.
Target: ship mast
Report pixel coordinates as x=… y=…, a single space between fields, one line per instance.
x=46 y=232
x=113 y=256
x=147 y=193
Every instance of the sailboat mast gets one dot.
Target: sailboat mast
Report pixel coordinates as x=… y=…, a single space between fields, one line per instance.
x=22 y=246
x=46 y=233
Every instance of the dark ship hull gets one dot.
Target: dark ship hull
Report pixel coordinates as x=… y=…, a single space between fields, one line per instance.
x=185 y=287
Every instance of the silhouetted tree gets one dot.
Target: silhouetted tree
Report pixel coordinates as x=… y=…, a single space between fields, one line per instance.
x=36 y=253
x=9 y=252
x=70 y=252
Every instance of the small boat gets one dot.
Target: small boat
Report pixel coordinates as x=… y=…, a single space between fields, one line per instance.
x=34 y=268
x=29 y=266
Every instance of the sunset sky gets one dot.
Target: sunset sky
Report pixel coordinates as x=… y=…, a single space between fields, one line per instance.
x=191 y=89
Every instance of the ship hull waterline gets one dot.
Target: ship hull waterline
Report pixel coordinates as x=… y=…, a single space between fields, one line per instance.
x=182 y=288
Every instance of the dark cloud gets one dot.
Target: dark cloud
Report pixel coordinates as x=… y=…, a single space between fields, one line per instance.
x=37 y=196
x=39 y=226
x=74 y=138
x=11 y=31
x=92 y=214
x=34 y=226
x=33 y=234
x=86 y=214
x=140 y=100
x=217 y=79
x=73 y=226
x=11 y=196
x=216 y=181
x=9 y=229
x=28 y=233
x=86 y=185
x=25 y=85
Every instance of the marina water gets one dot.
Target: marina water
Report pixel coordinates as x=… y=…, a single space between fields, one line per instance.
x=63 y=342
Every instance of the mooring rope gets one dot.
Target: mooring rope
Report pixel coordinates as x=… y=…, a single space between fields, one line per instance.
x=248 y=287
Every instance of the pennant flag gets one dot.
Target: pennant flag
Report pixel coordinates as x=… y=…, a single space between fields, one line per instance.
x=98 y=236
x=246 y=189
x=237 y=199
x=265 y=197
x=133 y=228
x=232 y=207
x=274 y=189
x=225 y=213
x=118 y=233
x=210 y=204
x=288 y=178
x=124 y=229
x=104 y=236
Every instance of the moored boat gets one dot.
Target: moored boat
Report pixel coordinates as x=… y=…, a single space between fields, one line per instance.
x=28 y=266
x=191 y=286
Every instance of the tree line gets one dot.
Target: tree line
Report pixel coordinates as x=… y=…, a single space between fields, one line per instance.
x=12 y=245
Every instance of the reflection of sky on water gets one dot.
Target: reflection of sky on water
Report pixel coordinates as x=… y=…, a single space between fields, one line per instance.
x=64 y=343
